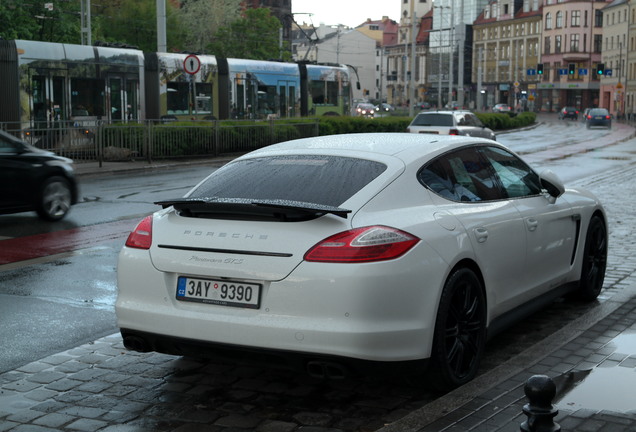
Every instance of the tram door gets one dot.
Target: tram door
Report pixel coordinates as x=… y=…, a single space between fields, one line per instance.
x=287 y=98
x=246 y=98
x=48 y=100
x=122 y=99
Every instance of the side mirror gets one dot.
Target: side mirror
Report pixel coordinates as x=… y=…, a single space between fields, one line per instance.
x=552 y=183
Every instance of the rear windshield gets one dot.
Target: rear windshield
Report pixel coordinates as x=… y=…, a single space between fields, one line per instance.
x=433 y=120
x=328 y=180
x=599 y=111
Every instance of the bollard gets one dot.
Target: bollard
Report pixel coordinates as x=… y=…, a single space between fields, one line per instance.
x=540 y=391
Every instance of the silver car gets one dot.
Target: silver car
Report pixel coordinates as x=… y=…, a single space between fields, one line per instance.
x=450 y=123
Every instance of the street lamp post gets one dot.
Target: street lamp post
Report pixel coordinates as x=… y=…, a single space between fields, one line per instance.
x=439 y=50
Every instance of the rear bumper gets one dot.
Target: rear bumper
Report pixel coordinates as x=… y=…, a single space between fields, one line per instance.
x=318 y=366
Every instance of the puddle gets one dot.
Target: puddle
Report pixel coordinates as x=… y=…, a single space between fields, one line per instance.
x=610 y=389
x=625 y=343
x=602 y=388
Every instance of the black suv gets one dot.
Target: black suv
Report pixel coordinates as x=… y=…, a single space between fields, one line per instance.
x=569 y=112
x=34 y=179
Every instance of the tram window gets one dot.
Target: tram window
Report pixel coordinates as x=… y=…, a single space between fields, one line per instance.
x=87 y=97
x=324 y=92
x=266 y=100
x=332 y=92
x=178 y=98
x=318 y=92
x=204 y=98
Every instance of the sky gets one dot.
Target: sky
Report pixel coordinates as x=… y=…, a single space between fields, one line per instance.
x=348 y=12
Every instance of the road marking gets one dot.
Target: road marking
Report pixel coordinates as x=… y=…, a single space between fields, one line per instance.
x=41 y=245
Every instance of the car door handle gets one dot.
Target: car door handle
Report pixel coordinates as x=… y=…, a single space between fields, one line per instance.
x=481 y=234
x=532 y=224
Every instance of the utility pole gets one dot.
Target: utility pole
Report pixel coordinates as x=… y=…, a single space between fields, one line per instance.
x=451 y=44
x=460 y=62
x=85 y=22
x=480 y=102
x=162 y=44
x=412 y=83
x=439 y=61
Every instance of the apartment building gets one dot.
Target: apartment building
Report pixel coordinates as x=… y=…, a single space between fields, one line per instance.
x=506 y=53
x=614 y=57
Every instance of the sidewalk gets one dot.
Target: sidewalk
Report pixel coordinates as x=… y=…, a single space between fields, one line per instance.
x=102 y=387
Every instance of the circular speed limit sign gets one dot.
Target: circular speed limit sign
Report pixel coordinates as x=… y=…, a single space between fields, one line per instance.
x=191 y=64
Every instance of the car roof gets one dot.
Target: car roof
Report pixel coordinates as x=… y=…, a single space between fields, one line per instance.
x=445 y=112
x=406 y=146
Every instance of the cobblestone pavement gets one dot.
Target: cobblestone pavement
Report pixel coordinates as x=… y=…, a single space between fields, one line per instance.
x=102 y=387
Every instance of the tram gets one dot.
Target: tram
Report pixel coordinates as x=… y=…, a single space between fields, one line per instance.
x=44 y=85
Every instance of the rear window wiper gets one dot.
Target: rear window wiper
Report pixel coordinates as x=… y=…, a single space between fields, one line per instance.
x=244 y=206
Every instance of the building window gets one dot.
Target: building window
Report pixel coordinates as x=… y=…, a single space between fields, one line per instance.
x=598 y=18
x=559 y=19
x=557 y=44
x=575 y=19
x=546 y=45
x=574 y=43
x=548 y=21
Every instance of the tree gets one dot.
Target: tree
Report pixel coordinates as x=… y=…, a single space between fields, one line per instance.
x=203 y=18
x=34 y=21
x=256 y=36
x=135 y=23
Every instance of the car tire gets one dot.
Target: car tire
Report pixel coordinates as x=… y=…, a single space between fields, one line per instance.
x=460 y=331
x=594 y=260
x=55 y=199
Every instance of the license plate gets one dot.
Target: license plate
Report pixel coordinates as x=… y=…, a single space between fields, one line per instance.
x=219 y=292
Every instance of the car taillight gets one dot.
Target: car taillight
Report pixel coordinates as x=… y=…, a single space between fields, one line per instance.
x=360 y=245
x=589 y=116
x=453 y=132
x=607 y=117
x=141 y=236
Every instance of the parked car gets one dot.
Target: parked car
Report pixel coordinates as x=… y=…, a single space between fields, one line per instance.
x=423 y=105
x=453 y=105
x=384 y=107
x=32 y=179
x=598 y=117
x=501 y=108
x=450 y=123
x=365 y=110
x=568 y=112
x=369 y=250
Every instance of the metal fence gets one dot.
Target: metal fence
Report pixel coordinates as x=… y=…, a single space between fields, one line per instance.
x=155 y=140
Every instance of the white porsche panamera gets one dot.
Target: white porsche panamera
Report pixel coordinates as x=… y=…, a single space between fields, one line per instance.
x=346 y=251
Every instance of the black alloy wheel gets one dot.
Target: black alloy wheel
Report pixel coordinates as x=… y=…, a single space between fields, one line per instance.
x=594 y=260
x=55 y=199
x=460 y=331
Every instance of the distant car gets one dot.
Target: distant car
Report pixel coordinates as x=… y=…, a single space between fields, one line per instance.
x=423 y=105
x=384 y=107
x=501 y=108
x=453 y=105
x=338 y=253
x=365 y=110
x=569 y=112
x=32 y=179
x=450 y=123
x=598 y=117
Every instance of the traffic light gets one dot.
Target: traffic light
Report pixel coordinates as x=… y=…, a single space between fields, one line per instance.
x=571 y=68
x=540 y=69
x=600 y=69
